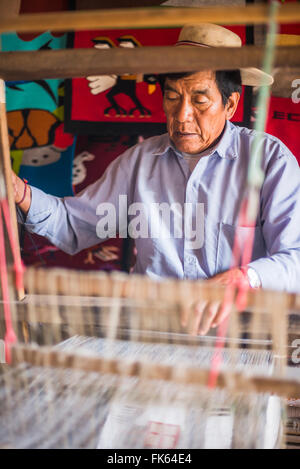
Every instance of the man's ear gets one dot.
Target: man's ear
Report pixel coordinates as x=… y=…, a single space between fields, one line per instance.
x=232 y=104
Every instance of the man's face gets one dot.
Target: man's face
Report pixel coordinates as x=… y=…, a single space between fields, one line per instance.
x=195 y=113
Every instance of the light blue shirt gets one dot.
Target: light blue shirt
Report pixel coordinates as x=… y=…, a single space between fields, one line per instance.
x=154 y=172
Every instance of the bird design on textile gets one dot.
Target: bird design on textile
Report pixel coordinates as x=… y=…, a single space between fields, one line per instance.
x=125 y=84
x=79 y=171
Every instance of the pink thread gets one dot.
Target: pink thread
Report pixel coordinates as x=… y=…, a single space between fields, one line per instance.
x=242 y=287
x=10 y=336
x=18 y=264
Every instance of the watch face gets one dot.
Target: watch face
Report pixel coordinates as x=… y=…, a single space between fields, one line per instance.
x=253 y=278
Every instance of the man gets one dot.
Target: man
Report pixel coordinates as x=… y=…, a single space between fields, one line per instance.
x=199 y=169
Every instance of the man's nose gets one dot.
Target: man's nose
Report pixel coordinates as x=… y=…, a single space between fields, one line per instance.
x=184 y=111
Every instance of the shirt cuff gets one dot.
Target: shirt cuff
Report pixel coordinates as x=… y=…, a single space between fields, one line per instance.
x=41 y=207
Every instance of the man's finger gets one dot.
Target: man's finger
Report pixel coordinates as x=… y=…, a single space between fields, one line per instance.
x=198 y=311
x=222 y=314
x=185 y=314
x=209 y=316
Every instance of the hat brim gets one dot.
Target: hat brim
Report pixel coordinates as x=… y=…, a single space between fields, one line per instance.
x=255 y=77
x=250 y=76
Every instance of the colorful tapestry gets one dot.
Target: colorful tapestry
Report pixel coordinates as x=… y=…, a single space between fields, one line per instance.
x=123 y=104
x=284 y=113
x=284 y=122
x=41 y=151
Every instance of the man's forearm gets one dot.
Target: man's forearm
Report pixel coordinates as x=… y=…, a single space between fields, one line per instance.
x=22 y=193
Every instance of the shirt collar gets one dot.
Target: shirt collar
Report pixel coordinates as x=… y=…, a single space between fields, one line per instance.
x=225 y=148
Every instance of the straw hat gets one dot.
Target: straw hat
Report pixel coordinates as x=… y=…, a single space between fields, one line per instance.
x=212 y=35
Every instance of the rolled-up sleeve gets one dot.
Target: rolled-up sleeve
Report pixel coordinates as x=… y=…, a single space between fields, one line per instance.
x=280 y=220
x=70 y=223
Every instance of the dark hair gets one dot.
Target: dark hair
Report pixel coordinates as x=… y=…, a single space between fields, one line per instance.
x=228 y=81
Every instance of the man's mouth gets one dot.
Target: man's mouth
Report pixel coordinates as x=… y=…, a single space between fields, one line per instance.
x=185 y=134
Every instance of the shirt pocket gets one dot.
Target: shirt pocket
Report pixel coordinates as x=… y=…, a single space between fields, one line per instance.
x=225 y=242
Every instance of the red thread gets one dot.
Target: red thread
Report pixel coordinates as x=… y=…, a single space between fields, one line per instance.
x=18 y=264
x=10 y=336
x=238 y=252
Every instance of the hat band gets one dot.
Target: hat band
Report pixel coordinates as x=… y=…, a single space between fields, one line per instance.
x=191 y=43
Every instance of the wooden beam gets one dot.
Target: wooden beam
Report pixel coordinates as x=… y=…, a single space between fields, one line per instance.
x=5 y=165
x=147 y=17
x=42 y=281
x=8 y=11
x=69 y=63
x=232 y=381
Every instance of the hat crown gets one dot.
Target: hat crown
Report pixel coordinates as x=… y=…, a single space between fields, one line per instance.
x=210 y=35
x=213 y=35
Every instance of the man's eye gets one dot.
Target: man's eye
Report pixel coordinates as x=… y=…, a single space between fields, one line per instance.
x=200 y=101
x=171 y=96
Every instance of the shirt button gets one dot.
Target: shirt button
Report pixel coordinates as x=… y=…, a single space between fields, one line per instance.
x=189 y=260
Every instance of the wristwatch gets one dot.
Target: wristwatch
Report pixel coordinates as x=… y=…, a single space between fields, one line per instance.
x=253 y=277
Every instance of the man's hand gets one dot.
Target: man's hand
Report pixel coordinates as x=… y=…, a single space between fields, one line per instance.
x=21 y=193
x=232 y=276
x=212 y=314
x=15 y=184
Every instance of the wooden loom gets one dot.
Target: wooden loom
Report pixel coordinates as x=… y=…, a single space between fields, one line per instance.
x=95 y=349
x=93 y=345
